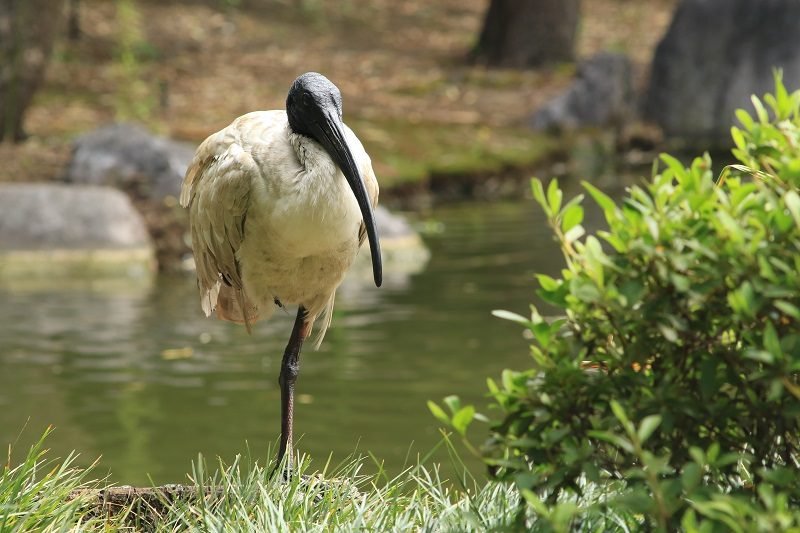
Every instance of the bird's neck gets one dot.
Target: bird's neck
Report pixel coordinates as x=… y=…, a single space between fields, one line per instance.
x=321 y=183
x=312 y=156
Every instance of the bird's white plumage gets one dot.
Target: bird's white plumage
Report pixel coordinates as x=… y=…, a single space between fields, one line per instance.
x=272 y=217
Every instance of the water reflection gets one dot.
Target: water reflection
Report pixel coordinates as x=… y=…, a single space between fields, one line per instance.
x=143 y=379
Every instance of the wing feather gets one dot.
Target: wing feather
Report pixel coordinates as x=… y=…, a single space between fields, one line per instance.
x=216 y=189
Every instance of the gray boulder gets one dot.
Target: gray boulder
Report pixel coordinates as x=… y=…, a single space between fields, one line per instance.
x=715 y=54
x=392 y=226
x=49 y=228
x=129 y=157
x=402 y=250
x=601 y=95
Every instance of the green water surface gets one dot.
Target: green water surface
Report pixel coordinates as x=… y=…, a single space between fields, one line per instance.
x=136 y=374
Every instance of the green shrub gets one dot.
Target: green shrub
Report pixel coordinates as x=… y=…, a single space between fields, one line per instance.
x=672 y=378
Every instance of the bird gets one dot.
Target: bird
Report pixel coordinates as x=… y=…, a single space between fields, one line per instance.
x=280 y=203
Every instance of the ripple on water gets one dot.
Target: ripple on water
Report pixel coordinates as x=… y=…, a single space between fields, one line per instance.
x=143 y=378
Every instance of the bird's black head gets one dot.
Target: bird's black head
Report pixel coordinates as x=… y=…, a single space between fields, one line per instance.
x=314 y=109
x=312 y=97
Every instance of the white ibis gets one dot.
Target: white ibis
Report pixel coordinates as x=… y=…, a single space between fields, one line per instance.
x=279 y=205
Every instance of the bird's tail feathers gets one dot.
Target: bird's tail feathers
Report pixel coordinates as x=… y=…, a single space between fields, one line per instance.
x=208 y=297
x=325 y=317
x=234 y=306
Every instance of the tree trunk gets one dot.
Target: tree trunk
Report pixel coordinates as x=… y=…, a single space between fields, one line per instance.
x=74 y=20
x=699 y=77
x=528 y=33
x=27 y=32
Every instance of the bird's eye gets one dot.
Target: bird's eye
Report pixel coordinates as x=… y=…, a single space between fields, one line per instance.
x=307 y=99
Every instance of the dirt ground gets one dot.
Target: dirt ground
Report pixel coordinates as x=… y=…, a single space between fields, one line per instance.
x=186 y=68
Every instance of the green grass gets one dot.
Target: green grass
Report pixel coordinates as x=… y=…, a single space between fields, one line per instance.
x=35 y=495
x=44 y=494
x=404 y=152
x=343 y=499
x=38 y=495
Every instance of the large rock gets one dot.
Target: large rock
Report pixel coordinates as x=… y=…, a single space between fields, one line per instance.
x=129 y=157
x=601 y=95
x=402 y=250
x=58 y=229
x=401 y=245
x=714 y=56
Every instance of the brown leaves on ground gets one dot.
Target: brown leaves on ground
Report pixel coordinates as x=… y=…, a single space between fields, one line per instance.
x=186 y=68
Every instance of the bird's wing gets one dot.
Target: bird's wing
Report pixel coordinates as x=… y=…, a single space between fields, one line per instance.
x=216 y=189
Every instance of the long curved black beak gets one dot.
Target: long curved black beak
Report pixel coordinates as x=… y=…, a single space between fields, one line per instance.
x=330 y=134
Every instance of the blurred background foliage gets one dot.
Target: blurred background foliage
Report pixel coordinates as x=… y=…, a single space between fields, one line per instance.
x=184 y=68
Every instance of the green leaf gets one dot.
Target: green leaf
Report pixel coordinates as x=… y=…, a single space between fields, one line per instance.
x=619 y=412
x=601 y=198
x=538 y=194
x=563 y=515
x=708 y=378
x=439 y=413
x=616 y=440
x=669 y=333
x=463 y=418
x=745 y=118
x=591 y=471
x=542 y=333
x=536 y=504
x=575 y=233
x=771 y=341
x=731 y=226
x=792 y=200
x=648 y=426
x=585 y=290
x=698 y=455
x=636 y=500
x=652 y=227
x=743 y=300
x=571 y=217
x=763 y=117
x=554 y=196
x=492 y=386
x=691 y=476
x=453 y=402
x=681 y=283
x=759 y=355
x=513 y=317
x=787 y=309
x=548 y=283
x=507 y=378
x=632 y=289
x=738 y=138
x=674 y=164
x=782 y=102
x=780 y=476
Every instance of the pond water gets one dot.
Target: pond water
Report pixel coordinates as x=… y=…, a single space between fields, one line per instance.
x=137 y=375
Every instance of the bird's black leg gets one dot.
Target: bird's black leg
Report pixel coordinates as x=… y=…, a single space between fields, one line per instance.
x=290 y=368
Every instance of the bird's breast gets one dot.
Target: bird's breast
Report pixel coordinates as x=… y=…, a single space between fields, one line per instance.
x=311 y=216
x=315 y=215
x=301 y=231
x=299 y=251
